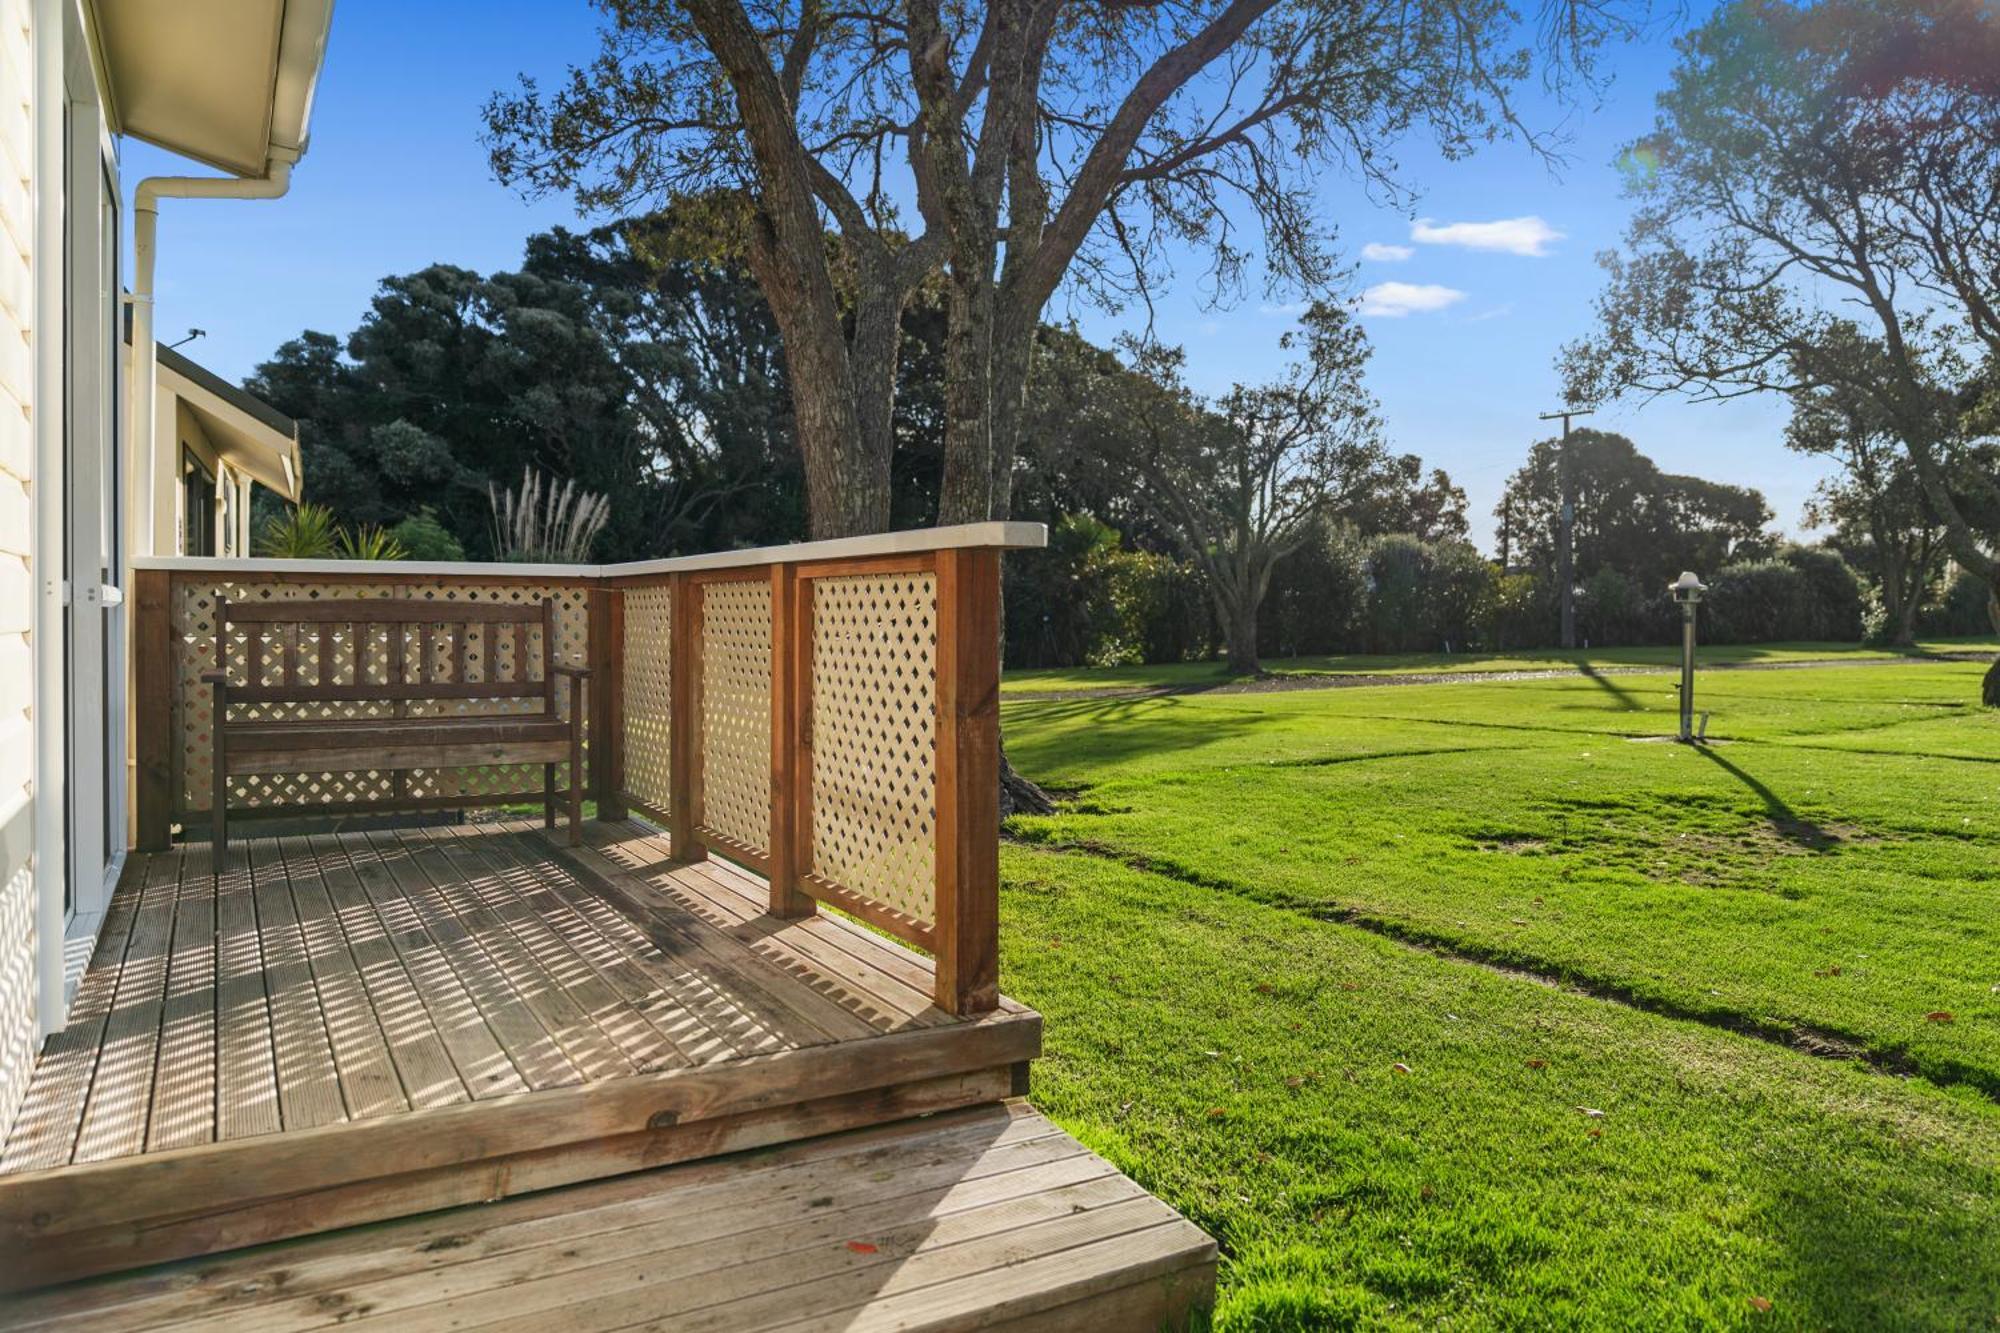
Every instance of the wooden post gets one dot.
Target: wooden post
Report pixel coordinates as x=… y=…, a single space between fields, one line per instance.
x=968 y=781
x=157 y=677
x=684 y=718
x=788 y=649
x=607 y=701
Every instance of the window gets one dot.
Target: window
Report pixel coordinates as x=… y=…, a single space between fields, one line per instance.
x=197 y=506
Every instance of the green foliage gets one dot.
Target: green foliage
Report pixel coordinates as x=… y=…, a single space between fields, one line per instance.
x=1837 y=599
x=310 y=532
x=1084 y=599
x=301 y=532
x=1968 y=606
x=422 y=537
x=606 y=357
x=1630 y=516
x=1426 y=597
x=369 y=542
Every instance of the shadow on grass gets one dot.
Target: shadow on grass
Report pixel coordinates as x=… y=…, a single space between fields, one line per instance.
x=1785 y=821
x=1117 y=730
x=1627 y=700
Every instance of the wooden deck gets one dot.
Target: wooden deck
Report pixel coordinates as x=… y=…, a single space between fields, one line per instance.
x=989 y=1217
x=342 y=1028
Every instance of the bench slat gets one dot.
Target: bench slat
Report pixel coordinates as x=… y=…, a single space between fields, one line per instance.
x=379 y=758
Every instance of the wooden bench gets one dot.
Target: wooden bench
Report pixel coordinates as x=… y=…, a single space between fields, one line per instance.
x=369 y=664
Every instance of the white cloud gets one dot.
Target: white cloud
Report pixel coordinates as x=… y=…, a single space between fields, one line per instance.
x=1282 y=308
x=1515 y=236
x=1497 y=312
x=1393 y=300
x=1386 y=254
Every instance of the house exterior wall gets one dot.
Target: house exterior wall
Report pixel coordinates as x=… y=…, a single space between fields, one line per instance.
x=18 y=347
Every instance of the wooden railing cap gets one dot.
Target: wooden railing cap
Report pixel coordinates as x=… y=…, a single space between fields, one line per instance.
x=1010 y=536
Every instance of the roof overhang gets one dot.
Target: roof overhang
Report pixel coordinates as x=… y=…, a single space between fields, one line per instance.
x=248 y=433
x=226 y=82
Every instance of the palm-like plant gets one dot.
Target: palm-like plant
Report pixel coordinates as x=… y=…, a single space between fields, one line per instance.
x=303 y=532
x=546 y=522
x=370 y=541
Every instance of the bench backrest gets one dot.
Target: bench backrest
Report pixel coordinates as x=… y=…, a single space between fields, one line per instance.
x=354 y=648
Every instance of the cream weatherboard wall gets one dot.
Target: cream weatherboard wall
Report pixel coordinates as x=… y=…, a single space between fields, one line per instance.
x=18 y=1033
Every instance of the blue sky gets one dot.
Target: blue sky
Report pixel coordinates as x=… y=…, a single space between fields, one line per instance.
x=395 y=179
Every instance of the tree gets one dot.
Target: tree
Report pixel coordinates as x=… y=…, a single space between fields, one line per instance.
x=1876 y=508
x=1242 y=482
x=1810 y=164
x=1429 y=508
x=1041 y=142
x=1630 y=516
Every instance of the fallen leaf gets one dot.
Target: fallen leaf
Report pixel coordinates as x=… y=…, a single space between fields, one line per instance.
x=1429 y=1193
x=1213 y=1055
x=860 y=1247
x=1760 y=1303
x=1516 y=921
x=1590 y=1111
x=1265 y=988
x=1295 y=1082
x=1595 y=1134
x=1832 y=971
x=1264 y=1159
x=1350 y=985
x=1940 y=1016
x=1217 y=1112
x=1538 y=1064
x=1400 y=1067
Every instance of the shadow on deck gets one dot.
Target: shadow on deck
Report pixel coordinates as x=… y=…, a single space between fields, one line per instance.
x=346 y=1028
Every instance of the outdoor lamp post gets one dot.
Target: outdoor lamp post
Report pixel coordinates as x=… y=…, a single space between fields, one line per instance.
x=1687 y=590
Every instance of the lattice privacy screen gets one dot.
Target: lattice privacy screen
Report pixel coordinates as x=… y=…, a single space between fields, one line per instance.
x=736 y=710
x=647 y=654
x=493 y=652
x=874 y=738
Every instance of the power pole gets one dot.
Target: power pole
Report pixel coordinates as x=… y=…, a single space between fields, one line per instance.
x=1566 y=528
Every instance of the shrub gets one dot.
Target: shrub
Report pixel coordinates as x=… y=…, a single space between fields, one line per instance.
x=302 y=532
x=1318 y=598
x=1084 y=600
x=1522 y=613
x=369 y=542
x=1422 y=597
x=1757 y=602
x=1966 y=608
x=1838 y=604
x=422 y=537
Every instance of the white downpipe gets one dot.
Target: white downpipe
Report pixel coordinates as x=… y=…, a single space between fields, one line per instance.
x=147 y=484
x=51 y=681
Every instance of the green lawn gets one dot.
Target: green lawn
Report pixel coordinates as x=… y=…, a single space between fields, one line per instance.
x=1255 y=907
x=1195 y=675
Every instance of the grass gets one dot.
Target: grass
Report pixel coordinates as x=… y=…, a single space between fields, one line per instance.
x=1200 y=675
x=1254 y=907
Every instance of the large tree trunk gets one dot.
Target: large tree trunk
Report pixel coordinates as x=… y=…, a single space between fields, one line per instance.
x=1899 y=612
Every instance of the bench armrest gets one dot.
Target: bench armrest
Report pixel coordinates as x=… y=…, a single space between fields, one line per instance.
x=571 y=669
x=215 y=677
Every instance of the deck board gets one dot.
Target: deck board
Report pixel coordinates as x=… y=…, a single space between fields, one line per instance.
x=330 y=978
x=972 y=1218
x=348 y=1028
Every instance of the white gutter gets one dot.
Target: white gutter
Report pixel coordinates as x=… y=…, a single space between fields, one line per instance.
x=145 y=352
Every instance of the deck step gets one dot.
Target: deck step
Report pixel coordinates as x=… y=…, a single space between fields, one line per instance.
x=984 y=1218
